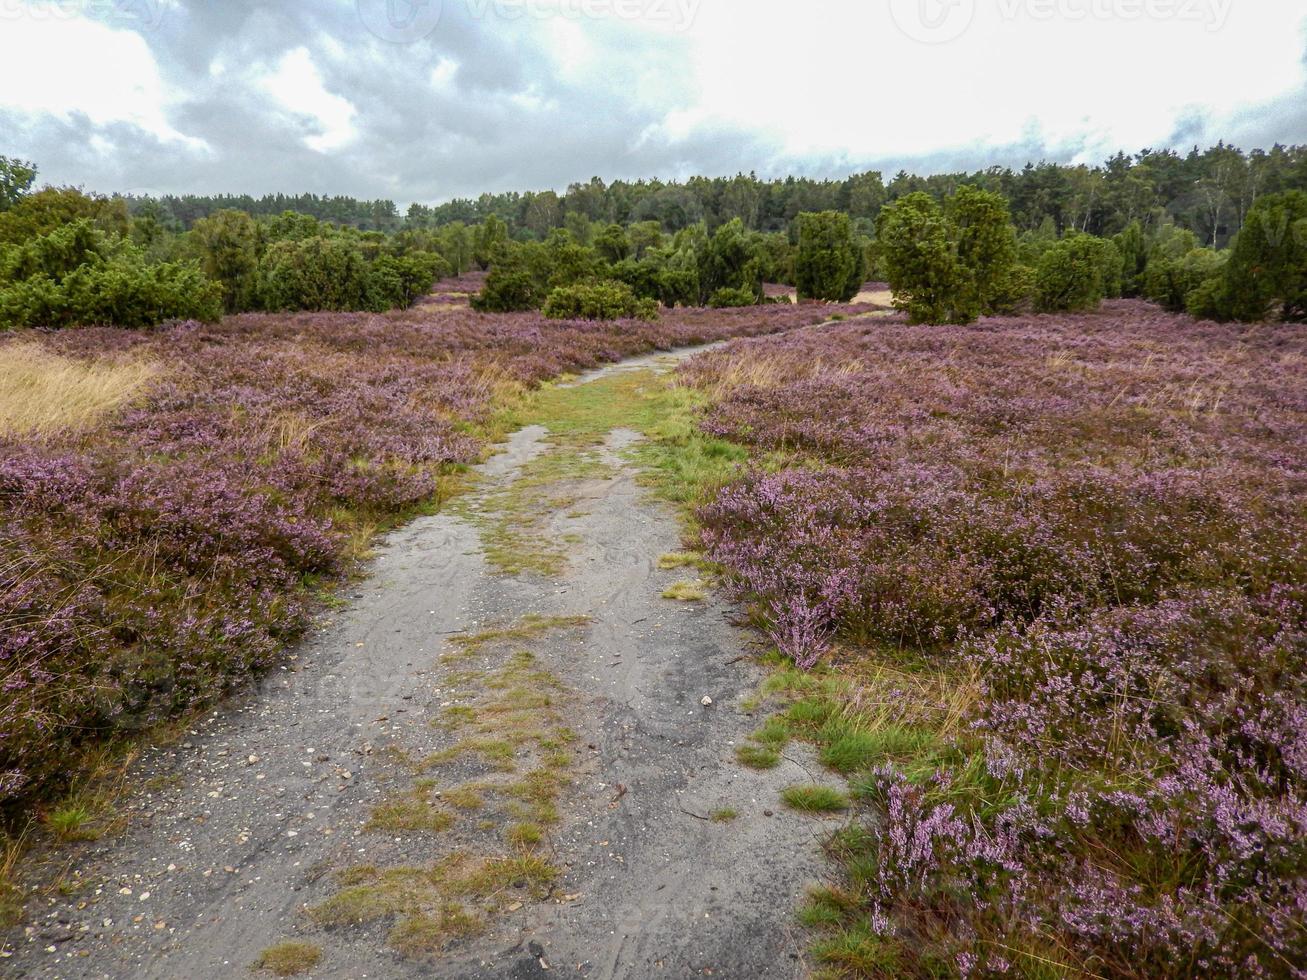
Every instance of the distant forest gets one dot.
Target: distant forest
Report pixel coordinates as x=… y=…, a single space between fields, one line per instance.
x=1208 y=192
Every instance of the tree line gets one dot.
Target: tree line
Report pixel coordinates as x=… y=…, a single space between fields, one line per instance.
x=962 y=258
x=68 y=258
x=1227 y=245
x=1207 y=191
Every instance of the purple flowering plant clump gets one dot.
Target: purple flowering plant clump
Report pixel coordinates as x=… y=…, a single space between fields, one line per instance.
x=1097 y=524
x=170 y=553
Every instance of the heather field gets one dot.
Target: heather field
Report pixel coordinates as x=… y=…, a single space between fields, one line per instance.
x=166 y=531
x=1041 y=588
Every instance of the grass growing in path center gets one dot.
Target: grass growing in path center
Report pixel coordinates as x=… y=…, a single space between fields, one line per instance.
x=679 y=462
x=476 y=810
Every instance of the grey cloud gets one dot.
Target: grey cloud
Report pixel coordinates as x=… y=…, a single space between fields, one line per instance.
x=483 y=130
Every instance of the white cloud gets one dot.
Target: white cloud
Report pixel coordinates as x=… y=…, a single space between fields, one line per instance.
x=289 y=96
x=297 y=85
x=442 y=75
x=835 y=77
x=62 y=65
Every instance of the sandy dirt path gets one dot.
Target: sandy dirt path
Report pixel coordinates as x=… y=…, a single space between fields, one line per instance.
x=269 y=809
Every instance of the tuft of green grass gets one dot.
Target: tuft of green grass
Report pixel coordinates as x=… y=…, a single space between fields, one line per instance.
x=527 y=628
x=456 y=716
x=464 y=798
x=724 y=815
x=679 y=559
x=537 y=786
x=72 y=822
x=527 y=871
x=498 y=753
x=289 y=959
x=774 y=734
x=513 y=521
x=356 y=905
x=814 y=799
x=849 y=750
x=686 y=591
x=413 y=813
x=524 y=835
x=827 y=909
x=758 y=756
x=858 y=951
x=430 y=932
x=810 y=712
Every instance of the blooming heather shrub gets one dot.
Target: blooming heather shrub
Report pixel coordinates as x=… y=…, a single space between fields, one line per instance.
x=1101 y=517
x=154 y=561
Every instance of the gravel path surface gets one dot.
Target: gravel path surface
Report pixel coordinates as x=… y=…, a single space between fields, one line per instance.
x=246 y=823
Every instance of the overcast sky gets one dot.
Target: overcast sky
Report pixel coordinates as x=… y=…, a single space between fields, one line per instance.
x=435 y=99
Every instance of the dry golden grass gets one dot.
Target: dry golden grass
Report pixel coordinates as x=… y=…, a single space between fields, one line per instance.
x=43 y=393
x=773 y=372
x=292 y=431
x=11 y=892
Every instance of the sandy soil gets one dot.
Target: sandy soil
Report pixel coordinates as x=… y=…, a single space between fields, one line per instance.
x=878 y=297
x=243 y=825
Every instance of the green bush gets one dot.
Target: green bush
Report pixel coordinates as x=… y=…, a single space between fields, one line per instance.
x=1209 y=300
x=1013 y=292
x=517 y=280
x=726 y=260
x=725 y=298
x=678 y=287
x=487 y=238
x=397 y=282
x=986 y=251
x=227 y=246
x=56 y=254
x=612 y=244
x=917 y=249
x=601 y=300
x=562 y=262
x=317 y=273
x=954 y=262
x=35 y=215
x=830 y=264
x=122 y=291
x=1266 y=275
x=1171 y=282
x=642 y=277
x=1076 y=274
x=78 y=274
x=1132 y=243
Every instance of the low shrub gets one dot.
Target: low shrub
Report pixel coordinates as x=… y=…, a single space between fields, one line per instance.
x=159 y=549
x=599 y=300
x=726 y=298
x=1091 y=528
x=1077 y=274
x=121 y=292
x=76 y=274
